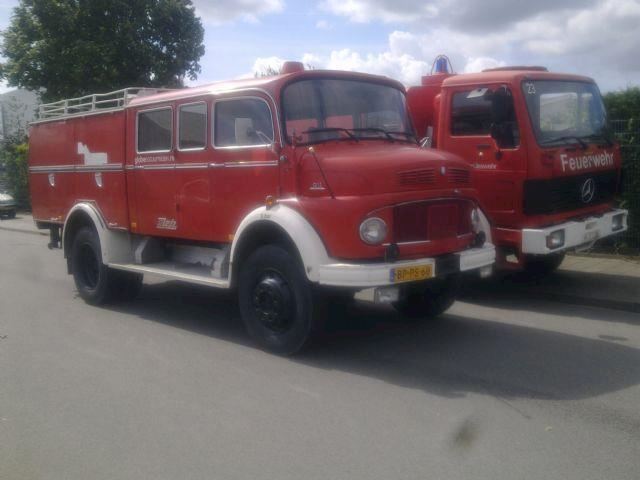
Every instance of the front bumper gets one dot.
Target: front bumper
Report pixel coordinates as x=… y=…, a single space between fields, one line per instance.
x=7 y=208
x=379 y=274
x=576 y=233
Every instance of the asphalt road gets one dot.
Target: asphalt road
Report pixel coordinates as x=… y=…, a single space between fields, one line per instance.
x=170 y=387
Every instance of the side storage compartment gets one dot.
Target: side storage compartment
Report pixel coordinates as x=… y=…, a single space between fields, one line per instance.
x=51 y=170
x=79 y=158
x=100 y=148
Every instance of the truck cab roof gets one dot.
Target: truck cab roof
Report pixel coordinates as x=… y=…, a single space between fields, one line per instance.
x=505 y=75
x=271 y=85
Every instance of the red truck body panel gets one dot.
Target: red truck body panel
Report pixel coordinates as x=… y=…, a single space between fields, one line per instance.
x=70 y=159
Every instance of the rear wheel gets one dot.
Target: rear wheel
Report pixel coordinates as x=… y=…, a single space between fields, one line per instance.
x=428 y=300
x=276 y=300
x=543 y=264
x=92 y=277
x=96 y=283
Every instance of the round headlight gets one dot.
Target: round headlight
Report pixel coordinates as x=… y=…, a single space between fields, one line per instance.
x=373 y=231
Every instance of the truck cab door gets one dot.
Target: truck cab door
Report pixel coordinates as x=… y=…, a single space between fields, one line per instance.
x=193 y=154
x=152 y=185
x=245 y=170
x=482 y=127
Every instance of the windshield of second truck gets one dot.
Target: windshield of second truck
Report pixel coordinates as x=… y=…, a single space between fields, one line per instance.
x=333 y=109
x=565 y=112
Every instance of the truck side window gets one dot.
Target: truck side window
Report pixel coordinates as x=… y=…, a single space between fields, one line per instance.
x=192 y=126
x=155 y=130
x=242 y=122
x=473 y=113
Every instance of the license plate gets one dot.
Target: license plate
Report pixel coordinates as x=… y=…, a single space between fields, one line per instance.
x=590 y=236
x=411 y=274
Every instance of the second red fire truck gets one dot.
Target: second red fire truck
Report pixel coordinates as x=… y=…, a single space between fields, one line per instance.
x=279 y=187
x=546 y=168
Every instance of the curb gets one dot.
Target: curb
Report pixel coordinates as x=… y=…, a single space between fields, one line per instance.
x=608 y=256
x=567 y=299
x=621 y=305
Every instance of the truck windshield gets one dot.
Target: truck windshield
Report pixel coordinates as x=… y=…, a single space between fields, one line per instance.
x=566 y=112
x=333 y=109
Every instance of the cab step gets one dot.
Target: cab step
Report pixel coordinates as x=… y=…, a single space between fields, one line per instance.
x=184 y=272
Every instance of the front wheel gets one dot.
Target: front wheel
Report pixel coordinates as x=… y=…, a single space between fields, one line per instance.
x=428 y=300
x=276 y=300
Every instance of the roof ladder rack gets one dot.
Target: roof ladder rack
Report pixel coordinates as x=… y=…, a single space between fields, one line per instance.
x=97 y=102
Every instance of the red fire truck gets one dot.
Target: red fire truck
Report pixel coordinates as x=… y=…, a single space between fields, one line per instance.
x=279 y=187
x=546 y=168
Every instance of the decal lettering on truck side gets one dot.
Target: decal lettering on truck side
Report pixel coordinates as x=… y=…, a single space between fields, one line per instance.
x=164 y=223
x=599 y=160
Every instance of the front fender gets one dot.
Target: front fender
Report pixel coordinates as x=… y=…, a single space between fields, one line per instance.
x=309 y=244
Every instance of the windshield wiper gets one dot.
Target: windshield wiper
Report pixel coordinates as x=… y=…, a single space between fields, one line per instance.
x=332 y=129
x=378 y=130
x=406 y=134
x=579 y=140
x=602 y=135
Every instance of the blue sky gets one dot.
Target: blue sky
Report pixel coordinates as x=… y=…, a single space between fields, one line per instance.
x=400 y=38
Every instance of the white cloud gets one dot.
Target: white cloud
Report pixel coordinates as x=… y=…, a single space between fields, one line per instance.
x=389 y=11
x=323 y=25
x=223 y=11
x=598 y=38
x=266 y=65
x=482 y=63
x=4 y=88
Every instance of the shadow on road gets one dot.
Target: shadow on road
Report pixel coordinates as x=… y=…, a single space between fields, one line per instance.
x=451 y=357
x=618 y=292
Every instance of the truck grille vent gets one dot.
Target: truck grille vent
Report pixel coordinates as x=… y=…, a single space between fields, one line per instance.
x=424 y=176
x=565 y=193
x=459 y=176
x=431 y=220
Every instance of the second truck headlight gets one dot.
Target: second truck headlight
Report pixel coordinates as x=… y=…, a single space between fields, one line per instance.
x=373 y=231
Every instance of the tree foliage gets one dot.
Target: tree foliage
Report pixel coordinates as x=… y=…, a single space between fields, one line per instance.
x=13 y=156
x=625 y=106
x=75 y=47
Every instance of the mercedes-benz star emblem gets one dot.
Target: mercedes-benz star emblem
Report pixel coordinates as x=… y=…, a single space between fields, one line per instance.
x=588 y=190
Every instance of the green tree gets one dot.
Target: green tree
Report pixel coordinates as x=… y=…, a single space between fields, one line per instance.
x=13 y=156
x=68 y=48
x=624 y=107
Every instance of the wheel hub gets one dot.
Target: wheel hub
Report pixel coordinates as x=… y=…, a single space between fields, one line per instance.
x=272 y=302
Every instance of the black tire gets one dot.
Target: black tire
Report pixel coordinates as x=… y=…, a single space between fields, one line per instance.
x=12 y=214
x=428 y=300
x=543 y=264
x=276 y=300
x=94 y=280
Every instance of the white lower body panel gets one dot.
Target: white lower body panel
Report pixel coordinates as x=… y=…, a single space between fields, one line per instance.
x=379 y=274
x=576 y=233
